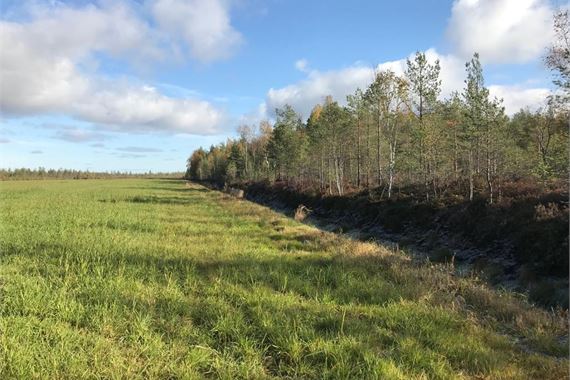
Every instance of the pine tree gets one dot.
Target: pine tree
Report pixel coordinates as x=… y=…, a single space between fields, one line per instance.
x=425 y=87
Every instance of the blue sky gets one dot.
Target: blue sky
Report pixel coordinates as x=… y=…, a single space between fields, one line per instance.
x=137 y=85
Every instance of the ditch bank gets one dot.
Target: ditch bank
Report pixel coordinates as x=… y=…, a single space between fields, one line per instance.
x=520 y=243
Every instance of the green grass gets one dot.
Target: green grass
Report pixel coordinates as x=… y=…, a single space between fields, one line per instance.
x=158 y=279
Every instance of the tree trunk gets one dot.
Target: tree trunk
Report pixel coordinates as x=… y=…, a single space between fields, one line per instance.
x=478 y=171
x=245 y=171
x=391 y=167
x=368 y=153
x=322 y=172
x=489 y=174
x=329 y=176
x=455 y=162
x=378 y=152
x=470 y=174
x=434 y=176
x=358 y=154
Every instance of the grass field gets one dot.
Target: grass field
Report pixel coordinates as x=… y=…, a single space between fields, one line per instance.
x=158 y=279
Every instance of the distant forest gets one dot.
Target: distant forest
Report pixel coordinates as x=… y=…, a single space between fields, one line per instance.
x=397 y=134
x=42 y=173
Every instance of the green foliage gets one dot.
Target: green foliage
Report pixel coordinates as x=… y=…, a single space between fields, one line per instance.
x=424 y=83
x=476 y=98
x=236 y=161
x=287 y=145
x=397 y=134
x=194 y=169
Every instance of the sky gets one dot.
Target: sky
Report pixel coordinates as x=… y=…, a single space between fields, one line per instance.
x=138 y=85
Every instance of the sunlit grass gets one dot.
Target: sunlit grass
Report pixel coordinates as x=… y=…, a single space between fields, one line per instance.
x=157 y=279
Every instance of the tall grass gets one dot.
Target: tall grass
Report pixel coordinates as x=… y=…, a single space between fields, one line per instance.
x=142 y=278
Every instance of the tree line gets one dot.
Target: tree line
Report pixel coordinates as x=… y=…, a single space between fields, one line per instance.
x=397 y=134
x=43 y=173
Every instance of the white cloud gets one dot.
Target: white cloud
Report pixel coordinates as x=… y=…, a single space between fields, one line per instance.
x=42 y=71
x=517 y=97
x=303 y=95
x=502 y=31
x=203 y=24
x=255 y=116
x=144 y=109
x=302 y=65
x=121 y=29
x=75 y=33
x=452 y=71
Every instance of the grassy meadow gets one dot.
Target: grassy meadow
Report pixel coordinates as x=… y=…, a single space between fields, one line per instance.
x=143 y=279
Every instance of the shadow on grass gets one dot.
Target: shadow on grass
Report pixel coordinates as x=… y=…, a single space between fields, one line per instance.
x=154 y=199
x=162 y=200
x=268 y=299
x=186 y=190
x=368 y=281
x=277 y=299
x=166 y=180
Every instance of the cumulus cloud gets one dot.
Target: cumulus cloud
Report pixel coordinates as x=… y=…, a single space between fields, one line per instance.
x=303 y=95
x=143 y=109
x=203 y=24
x=33 y=81
x=255 y=116
x=74 y=33
x=517 y=97
x=4 y=140
x=123 y=29
x=452 y=69
x=44 y=66
x=502 y=31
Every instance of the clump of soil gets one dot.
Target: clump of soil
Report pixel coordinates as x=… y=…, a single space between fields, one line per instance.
x=301 y=213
